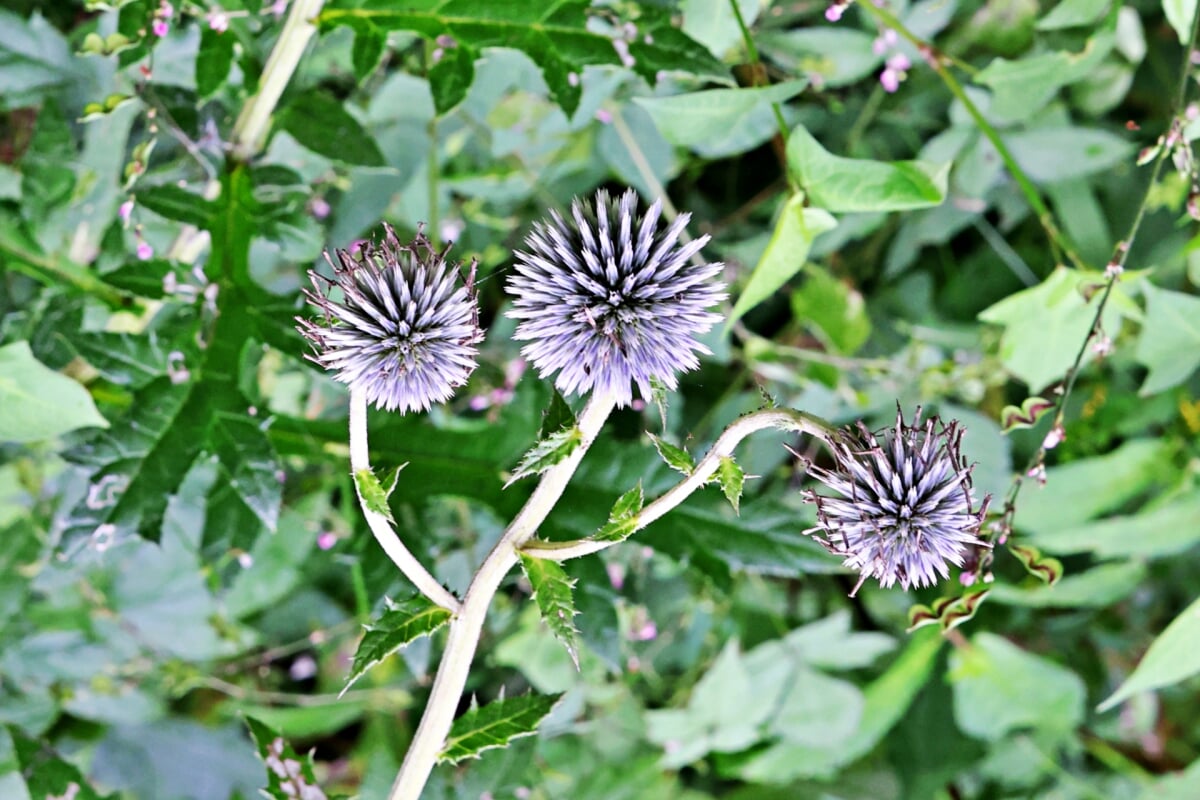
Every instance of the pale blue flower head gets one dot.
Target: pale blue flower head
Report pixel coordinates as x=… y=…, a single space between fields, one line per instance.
x=608 y=300
x=405 y=330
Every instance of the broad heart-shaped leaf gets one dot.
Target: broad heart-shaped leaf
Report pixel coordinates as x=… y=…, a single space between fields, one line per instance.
x=623 y=519
x=1169 y=344
x=399 y=624
x=699 y=117
x=552 y=590
x=1044 y=326
x=1180 y=14
x=289 y=775
x=731 y=479
x=319 y=122
x=851 y=185
x=1020 y=88
x=785 y=253
x=495 y=725
x=31 y=769
x=248 y=459
x=546 y=453
x=555 y=34
x=676 y=458
x=37 y=402
x=1173 y=656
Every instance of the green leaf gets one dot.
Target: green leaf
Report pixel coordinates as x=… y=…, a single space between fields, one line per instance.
x=1044 y=325
x=213 y=61
x=1046 y=569
x=174 y=202
x=124 y=358
x=249 y=461
x=399 y=624
x=998 y=688
x=840 y=56
x=1062 y=154
x=676 y=458
x=556 y=416
x=731 y=479
x=1169 y=344
x=1172 y=657
x=1098 y=587
x=1162 y=530
x=623 y=519
x=1032 y=409
x=832 y=310
x=1180 y=14
x=495 y=725
x=686 y=120
x=35 y=59
x=38 y=402
x=1073 y=14
x=785 y=253
x=548 y=452
x=373 y=493
x=848 y=184
x=369 y=44
x=319 y=122
x=289 y=775
x=1021 y=88
x=32 y=769
x=556 y=36
x=552 y=590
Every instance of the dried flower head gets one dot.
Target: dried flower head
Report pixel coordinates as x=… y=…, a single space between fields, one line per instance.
x=406 y=328
x=607 y=300
x=906 y=508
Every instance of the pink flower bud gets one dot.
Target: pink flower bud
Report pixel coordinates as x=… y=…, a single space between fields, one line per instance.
x=144 y=251
x=160 y=27
x=125 y=211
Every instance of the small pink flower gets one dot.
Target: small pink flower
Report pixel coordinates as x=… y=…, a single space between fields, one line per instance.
x=834 y=12
x=886 y=41
x=890 y=79
x=166 y=10
x=1113 y=270
x=160 y=27
x=319 y=207
x=144 y=251
x=218 y=20
x=125 y=211
x=326 y=540
x=616 y=574
x=279 y=7
x=603 y=116
x=899 y=62
x=1054 y=438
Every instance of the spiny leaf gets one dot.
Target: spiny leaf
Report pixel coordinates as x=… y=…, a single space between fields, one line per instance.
x=552 y=590
x=946 y=612
x=1012 y=418
x=558 y=415
x=1044 y=567
x=289 y=775
x=495 y=725
x=731 y=478
x=398 y=625
x=623 y=519
x=676 y=458
x=546 y=453
x=374 y=494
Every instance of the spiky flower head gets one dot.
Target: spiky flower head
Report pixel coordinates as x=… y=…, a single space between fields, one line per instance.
x=405 y=330
x=608 y=300
x=905 y=509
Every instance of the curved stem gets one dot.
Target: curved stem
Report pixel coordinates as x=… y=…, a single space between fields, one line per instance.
x=780 y=418
x=250 y=130
x=466 y=627
x=379 y=524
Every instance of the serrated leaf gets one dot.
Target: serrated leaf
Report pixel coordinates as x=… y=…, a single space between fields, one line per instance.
x=558 y=415
x=854 y=185
x=676 y=458
x=369 y=43
x=399 y=624
x=124 y=358
x=214 y=60
x=1013 y=418
x=495 y=725
x=731 y=479
x=552 y=590
x=373 y=494
x=173 y=202
x=555 y=35
x=1046 y=568
x=289 y=775
x=546 y=453
x=623 y=519
x=248 y=459
x=39 y=403
x=32 y=769
x=320 y=122
x=1172 y=657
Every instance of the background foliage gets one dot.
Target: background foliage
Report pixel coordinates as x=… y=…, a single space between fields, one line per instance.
x=181 y=549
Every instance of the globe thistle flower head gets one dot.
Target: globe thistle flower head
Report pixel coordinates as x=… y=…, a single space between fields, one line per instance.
x=405 y=330
x=608 y=300
x=903 y=508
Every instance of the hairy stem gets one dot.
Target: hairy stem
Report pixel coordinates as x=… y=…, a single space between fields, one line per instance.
x=250 y=131
x=380 y=525
x=466 y=627
x=779 y=418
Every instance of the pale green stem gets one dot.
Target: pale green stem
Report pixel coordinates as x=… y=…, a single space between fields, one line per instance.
x=250 y=131
x=387 y=537
x=779 y=418
x=466 y=627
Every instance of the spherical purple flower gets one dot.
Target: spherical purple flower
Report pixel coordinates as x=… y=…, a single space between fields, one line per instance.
x=607 y=300
x=405 y=330
x=906 y=507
